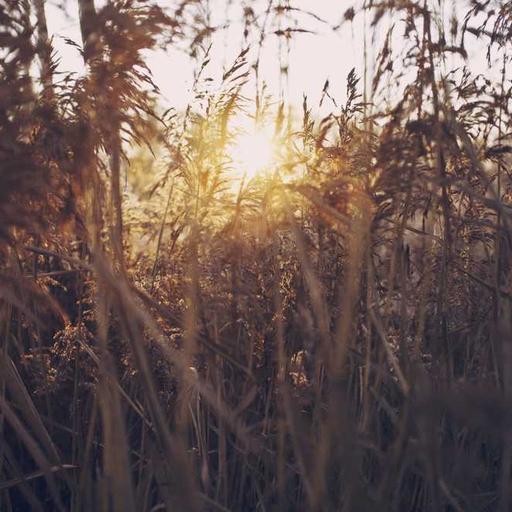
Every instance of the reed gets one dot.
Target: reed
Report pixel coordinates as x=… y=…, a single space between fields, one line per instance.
x=333 y=334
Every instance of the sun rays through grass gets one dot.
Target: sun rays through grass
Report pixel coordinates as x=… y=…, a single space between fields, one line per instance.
x=253 y=152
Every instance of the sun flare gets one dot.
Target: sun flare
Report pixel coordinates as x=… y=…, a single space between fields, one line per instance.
x=253 y=152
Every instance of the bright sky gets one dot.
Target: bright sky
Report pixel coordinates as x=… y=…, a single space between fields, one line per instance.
x=313 y=58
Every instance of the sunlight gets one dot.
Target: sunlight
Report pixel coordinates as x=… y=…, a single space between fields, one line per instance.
x=252 y=152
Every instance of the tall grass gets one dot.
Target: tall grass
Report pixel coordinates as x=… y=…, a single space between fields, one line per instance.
x=332 y=335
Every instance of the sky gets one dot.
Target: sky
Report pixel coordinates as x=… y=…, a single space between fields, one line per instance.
x=313 y=58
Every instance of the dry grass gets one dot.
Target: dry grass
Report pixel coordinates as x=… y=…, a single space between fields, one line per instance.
x=335 y=336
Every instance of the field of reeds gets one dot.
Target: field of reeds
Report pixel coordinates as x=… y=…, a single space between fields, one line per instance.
x=332 y=334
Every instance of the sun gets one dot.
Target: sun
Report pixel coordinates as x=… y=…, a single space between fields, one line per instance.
x=252 y=152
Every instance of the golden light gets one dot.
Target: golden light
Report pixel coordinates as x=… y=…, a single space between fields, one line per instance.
x=253 y=152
